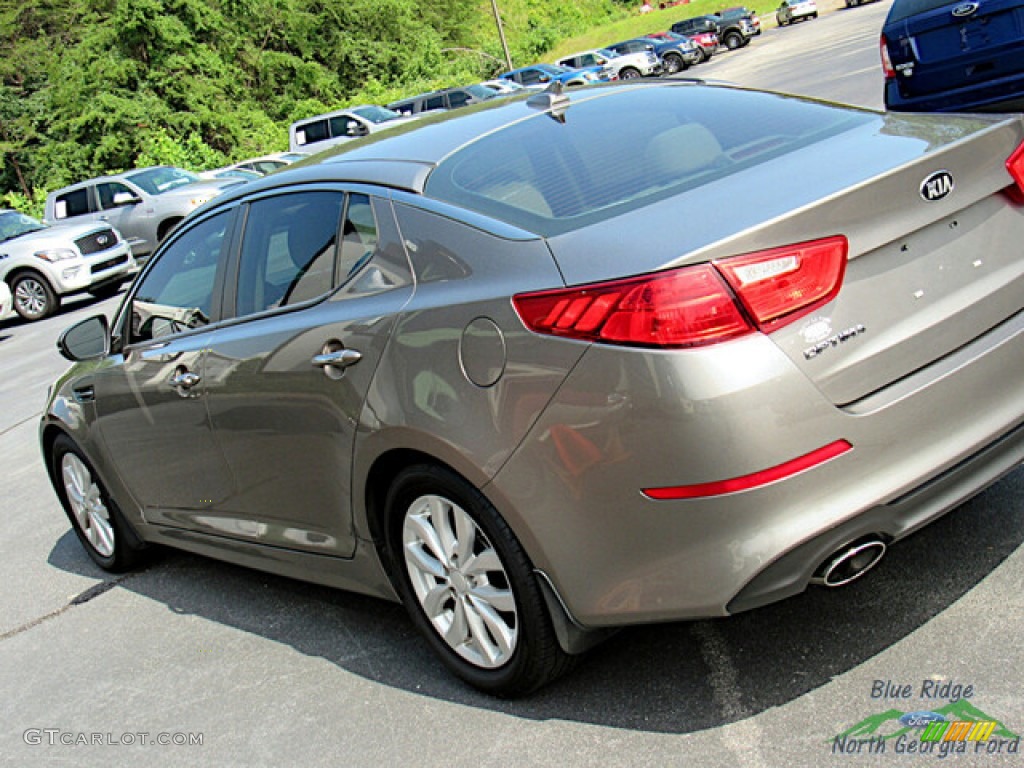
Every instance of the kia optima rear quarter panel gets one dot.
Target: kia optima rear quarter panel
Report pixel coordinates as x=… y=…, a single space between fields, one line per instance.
x=658 y=483
x=462 y=380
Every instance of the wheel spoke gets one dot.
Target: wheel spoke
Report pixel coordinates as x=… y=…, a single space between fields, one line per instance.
x=500 y=599
x=458 y=632
x=422 y=532
x=441 y=512
x=481 y=563
x=418 y=556
x=497 y=631
x=434 y=601
x=465 y=536
x=104 y=534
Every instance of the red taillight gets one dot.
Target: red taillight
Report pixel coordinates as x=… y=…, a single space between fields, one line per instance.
x=883 y=46
x=1015 y=165
x=678 y=308
x=694 y=306
x=779 y=285
x=754 y=480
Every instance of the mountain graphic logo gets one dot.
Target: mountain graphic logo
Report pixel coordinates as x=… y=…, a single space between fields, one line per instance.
x=888 y=725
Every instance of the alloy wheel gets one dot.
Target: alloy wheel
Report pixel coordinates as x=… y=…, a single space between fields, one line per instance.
x=87 y=504
x=460 y=582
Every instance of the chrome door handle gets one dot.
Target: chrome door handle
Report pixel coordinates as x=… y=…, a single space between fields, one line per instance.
x=185 y=380
x=342 y=358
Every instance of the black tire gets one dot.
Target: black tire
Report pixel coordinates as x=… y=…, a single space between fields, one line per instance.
x=34 y=298
x=733 y=40
x=814 y=15
x=629 y=73
x=489 y=624
x=94 y=516
x=674 y=63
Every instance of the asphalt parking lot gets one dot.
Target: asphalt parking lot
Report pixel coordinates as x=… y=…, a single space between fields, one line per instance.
x=193 y=662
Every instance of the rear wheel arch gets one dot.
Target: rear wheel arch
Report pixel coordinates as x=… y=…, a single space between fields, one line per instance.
x=166 y=226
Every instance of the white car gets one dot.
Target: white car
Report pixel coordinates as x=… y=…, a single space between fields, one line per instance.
x=5 y=301
x=622 y=67
x=795 y=10
x=40 y=263
x=268 y=163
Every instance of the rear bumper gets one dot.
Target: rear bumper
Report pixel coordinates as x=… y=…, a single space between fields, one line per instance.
x=625 y=422
x=1002 y=95
x=790 y=574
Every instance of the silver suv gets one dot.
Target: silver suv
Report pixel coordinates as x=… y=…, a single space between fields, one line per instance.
x=143 y=205
x=41 y=263
x=314 y=134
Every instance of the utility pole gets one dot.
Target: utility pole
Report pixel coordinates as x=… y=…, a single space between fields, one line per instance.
x=501 y=34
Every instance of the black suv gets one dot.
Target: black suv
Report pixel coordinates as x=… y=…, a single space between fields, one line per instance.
x=733 y=33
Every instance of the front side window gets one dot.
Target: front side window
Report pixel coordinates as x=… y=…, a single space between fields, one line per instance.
x=176 y=294
x=288 y=250
x=74 y=203
x=108 y=189
x=345 y=126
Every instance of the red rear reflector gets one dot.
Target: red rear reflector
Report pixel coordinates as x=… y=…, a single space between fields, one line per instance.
x=1015 y=165
x=678 y=308
x=787 y=283
x=694 y=306
x=755 y=480
x=887 y=69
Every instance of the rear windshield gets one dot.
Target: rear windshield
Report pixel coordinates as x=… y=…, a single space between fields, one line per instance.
x=620 y=151
x=903 y=9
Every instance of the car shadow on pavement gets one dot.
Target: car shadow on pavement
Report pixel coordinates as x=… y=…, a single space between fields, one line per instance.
x=670 y=678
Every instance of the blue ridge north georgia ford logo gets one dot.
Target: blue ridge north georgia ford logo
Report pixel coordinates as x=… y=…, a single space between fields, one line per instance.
x=937 y=186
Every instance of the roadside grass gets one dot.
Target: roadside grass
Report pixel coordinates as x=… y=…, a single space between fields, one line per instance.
x=639 y=25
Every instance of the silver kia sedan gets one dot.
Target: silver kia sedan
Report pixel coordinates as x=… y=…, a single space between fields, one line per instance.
x=539 y=379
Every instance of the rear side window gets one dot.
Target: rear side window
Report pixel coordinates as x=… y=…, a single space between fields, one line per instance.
x=358 y=238
x=288 y=250
x=551 y=176
x=75 y=203
x=310 y=133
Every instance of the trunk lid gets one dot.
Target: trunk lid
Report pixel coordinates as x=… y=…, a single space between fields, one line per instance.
x=924 y=276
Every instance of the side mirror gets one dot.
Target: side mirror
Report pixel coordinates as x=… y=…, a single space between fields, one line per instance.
x=545 y=78
x=357 y=129
x=125 y=198
x=87 y=340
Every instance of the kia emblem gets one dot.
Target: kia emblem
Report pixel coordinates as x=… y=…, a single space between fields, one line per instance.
x=937 y=186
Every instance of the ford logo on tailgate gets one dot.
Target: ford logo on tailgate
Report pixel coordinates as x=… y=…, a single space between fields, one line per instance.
x=965 y=9
x=937 y=186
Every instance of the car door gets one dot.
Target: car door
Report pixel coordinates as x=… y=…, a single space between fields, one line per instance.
x=286 y=381
x=151 y=410
x=115 y=210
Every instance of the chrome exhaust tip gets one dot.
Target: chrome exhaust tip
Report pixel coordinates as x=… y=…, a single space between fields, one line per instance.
x=849 y=564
